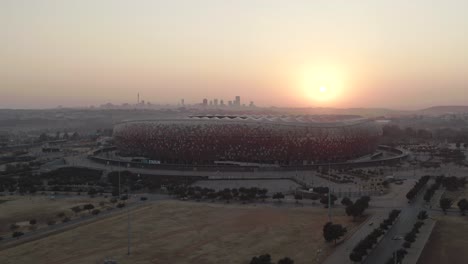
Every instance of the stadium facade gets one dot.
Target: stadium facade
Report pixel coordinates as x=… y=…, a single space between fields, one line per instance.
x=283 y=140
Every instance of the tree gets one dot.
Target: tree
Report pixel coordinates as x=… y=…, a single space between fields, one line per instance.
x=96 y=211
x=227 y=196
x=297 y=197
x=355 y=257
x=14 y=227
x=422 y=215
x=346 y=201
x=278 y=196
x=324 y=200
x=410 y=237
x=32 y=221
x=262 y=259
x=445 y=203
x=17 y=234
x=332 y=232
x=354 y=210
x=463 y=205
x=61 y=214
x=286 y=260
x=88 y=207
x=76 y=209
x=92 y=192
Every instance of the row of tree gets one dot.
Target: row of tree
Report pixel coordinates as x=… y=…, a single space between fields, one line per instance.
x=361 y=249
x=241 y=194
x=410 y=237
x=417 y=187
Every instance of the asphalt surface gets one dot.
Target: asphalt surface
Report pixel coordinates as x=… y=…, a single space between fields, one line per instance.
x=408 y=216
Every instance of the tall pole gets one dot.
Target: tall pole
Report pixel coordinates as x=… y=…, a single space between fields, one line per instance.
x=119 y=180
x=329 y=194
x=129 y=227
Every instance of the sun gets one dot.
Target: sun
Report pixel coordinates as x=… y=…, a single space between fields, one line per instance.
x=322 y=85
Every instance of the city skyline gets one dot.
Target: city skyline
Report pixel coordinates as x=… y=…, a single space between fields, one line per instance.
x=300 y=54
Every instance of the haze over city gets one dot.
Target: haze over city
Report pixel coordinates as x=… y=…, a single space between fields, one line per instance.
x=284 y=53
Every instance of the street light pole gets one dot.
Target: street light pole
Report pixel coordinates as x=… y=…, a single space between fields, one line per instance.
x=119 y=180
x=329 y=194
x=129 y=227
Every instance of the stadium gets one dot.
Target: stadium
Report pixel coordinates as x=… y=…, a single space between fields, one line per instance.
x=281 y=140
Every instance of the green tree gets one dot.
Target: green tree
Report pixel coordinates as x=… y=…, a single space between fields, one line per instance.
x=346 y=201
x=297 y=197
x=286 y=260
x=445 y=203
x=332 y=232
x=355 y=257
x=76 y=209
x=463 y=205
x=88 y=207
x=262 y=259
x=422 y=215
x=278 y=196
x=17 y=234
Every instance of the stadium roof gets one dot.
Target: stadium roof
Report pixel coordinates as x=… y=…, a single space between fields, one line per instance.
x=287 y=120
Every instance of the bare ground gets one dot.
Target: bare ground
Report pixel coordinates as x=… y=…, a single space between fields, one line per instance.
x=187 y=232
x=448 y=242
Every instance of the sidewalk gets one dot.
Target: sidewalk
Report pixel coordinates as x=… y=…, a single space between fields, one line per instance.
x=417 y=247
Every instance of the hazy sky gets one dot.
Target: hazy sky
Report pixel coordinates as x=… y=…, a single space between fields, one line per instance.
x=367 y=53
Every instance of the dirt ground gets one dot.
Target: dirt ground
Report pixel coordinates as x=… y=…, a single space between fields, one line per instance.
x=188 y=232
x=21 y=209
x=448 y=242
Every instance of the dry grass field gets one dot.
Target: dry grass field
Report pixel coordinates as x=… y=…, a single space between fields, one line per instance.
x=448 y=242
x=21 y=209
x=187 y=232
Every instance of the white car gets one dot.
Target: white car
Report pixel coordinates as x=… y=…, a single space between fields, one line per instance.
x=397 y=238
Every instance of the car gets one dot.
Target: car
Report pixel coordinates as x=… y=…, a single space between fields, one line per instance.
x=397 y=238
x=371 y=224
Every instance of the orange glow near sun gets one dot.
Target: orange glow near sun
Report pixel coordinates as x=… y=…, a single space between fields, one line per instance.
x=322 y=85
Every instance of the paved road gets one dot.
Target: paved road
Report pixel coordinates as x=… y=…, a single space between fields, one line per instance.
x=408 y=216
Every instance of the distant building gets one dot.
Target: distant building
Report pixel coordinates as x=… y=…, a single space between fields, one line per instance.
x=215 y=102
x=229 y=103
x=205 y=102
x=237 y=102
x=221 y=103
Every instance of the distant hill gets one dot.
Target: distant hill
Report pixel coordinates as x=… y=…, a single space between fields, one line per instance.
x=447 y=109
x=366 y=112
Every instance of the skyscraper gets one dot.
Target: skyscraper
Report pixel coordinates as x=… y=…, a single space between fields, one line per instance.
x=237 y=102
